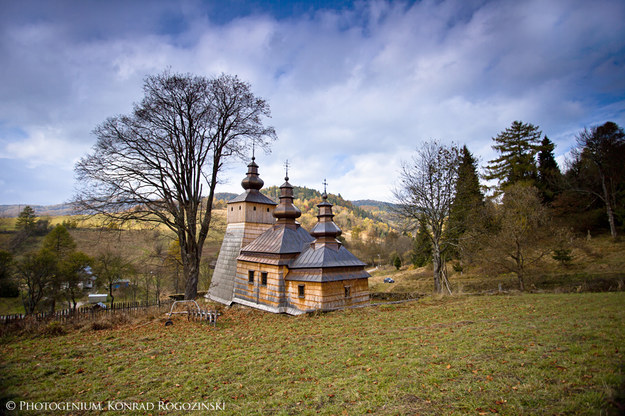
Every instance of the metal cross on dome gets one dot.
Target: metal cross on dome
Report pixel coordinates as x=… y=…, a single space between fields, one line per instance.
x=325 y=185
x=286 y=168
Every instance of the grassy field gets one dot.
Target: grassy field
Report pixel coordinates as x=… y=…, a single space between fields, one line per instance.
x=514 y=355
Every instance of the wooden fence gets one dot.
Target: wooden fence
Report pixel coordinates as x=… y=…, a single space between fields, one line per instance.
x=89 y=312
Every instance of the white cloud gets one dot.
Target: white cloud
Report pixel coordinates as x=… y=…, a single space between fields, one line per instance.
x=349 y=89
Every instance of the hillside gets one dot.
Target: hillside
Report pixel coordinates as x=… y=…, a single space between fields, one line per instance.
x=347 y=215
x=372 y=203
x=365 y=208
x=40 y=210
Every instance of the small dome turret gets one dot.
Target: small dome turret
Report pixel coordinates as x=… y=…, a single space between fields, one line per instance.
x=252 y=180
x=326 y=231
x=286 y=212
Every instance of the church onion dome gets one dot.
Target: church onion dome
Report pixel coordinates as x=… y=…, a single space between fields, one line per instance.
x=252 y=180
x=286 y=212
x=252 y=183
x=325 y=231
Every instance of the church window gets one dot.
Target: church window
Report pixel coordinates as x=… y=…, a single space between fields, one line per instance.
x=263 y=278
x=250 y=276
x=254 y=208
x=300 y=291
x=348 y=291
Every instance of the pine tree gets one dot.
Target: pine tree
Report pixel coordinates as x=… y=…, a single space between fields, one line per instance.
x=517 y=146
x=422 y=252
x=397 y=262
x=26 y=219
x=549 y=175
x=468 y=199
x=59 y=242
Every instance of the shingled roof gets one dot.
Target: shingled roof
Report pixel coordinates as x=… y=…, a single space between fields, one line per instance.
x=324 y=256
x=285 y=238
x=325 y=259
x=326 y=274
x=280 y=240
x=250 y=196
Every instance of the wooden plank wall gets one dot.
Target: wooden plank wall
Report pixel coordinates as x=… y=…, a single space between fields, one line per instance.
x=250 y=212
x=328 y=295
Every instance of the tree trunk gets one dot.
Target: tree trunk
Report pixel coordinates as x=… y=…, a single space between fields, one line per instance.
x=191 y=270
x=608 y=207
x=111 y=293
x=518 y=258
x=437 y=265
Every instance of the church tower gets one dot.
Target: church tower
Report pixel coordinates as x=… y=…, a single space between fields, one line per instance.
x=249 y=215
x=262 y=266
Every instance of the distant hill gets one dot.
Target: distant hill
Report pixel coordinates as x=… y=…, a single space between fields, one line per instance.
x=381 y=209
x=40 y=210
x=348 y=216
x=367 y=214
x=383 y=206
x=225 y=196
x=306 y=194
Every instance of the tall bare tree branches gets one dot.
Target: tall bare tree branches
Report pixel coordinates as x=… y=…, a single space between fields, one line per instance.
x=157 y=163
x=425 y=194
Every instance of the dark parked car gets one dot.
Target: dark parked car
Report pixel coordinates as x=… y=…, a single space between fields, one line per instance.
x=388 y=280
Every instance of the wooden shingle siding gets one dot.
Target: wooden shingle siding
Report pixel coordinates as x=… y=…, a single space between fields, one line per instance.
x=270 y=294
x=327 y=295
x=237 y=235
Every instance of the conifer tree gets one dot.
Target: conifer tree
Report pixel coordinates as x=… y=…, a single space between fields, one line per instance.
x=549 y=175
x=26 y=219
x=59 y=242
x=468 y=199
x=422 y=252
x=517 y=146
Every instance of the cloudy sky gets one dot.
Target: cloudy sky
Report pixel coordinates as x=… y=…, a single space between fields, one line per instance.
x=354 y=87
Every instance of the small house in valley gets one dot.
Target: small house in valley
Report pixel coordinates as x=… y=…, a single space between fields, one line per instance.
x=270 y=262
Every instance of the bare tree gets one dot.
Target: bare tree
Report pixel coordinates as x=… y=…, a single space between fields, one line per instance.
x=110 y=268
x=154 y=164
x=425 y=194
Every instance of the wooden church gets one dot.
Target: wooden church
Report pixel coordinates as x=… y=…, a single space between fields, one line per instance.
x=268 y=261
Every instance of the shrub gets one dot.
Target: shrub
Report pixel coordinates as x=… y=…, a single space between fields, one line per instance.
x=562 y=255
x=54 y=328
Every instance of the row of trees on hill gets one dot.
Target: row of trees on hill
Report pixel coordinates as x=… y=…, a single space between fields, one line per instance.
x=51 y=273
x=534 y=205
x=51 y=269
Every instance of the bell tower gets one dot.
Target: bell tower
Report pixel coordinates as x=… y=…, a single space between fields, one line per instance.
x=249 y=215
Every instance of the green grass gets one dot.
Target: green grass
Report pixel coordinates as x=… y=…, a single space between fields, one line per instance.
x=10 y=306
x=524 y=354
